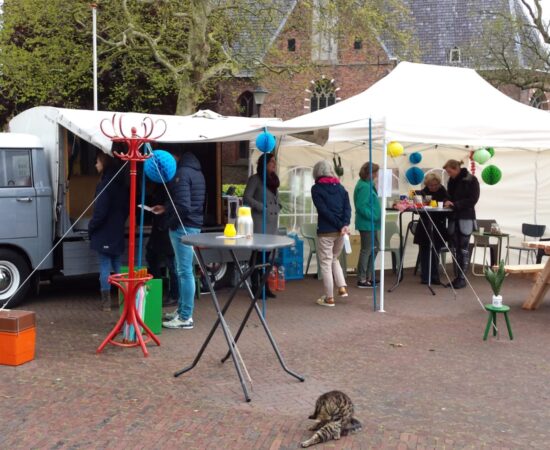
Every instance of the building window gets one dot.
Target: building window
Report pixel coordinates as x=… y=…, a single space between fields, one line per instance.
x=247 y=108
x=324 y=45
x=357 y=44
x=454 y=55
x=323 y=94
x=538 y=100
x=291 y=45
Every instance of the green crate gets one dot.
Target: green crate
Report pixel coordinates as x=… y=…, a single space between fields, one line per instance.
x=153 y=303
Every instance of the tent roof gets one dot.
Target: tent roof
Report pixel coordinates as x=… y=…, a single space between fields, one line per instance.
x=427 y=104
x=203 y=126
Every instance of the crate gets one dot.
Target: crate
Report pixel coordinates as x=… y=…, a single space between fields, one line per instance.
x=17 y=337
x=292 y=259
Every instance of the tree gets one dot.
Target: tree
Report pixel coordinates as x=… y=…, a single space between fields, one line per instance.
x=160 y=55
x=514 y=50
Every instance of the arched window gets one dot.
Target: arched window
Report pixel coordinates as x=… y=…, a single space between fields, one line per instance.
x=323 y=94
x=247 y=108
x=538 y=100
x=246 y=104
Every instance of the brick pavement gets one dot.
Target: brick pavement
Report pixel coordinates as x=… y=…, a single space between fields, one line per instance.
x=419 y=374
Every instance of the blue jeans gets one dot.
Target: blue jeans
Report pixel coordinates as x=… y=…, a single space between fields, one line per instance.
x=106 y=263
x=184 y=269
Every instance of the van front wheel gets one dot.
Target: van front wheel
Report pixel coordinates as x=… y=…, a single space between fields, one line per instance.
x=14 y=270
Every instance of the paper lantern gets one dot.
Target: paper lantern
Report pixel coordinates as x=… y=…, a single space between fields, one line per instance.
x=491 y=151
x=414 y=175
x=395 y=149
x=481 y=156
x=163 y=162
x=265 y=142
x=415 y=157
x=491 y=175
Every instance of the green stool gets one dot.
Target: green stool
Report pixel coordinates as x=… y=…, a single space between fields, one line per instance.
x=493 y=311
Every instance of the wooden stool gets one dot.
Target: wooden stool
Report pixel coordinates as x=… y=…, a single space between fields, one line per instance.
x=493 y=311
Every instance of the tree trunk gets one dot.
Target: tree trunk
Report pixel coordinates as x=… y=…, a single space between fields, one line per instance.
x=187 y=98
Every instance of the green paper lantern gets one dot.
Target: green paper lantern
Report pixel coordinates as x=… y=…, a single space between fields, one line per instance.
x=491 y=150
x=491 y=175
x=481 y=156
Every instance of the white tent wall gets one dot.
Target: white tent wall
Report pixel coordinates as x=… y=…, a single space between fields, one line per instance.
x=523 y=194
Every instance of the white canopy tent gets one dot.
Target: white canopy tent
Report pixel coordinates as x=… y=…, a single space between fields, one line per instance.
x=425 y=107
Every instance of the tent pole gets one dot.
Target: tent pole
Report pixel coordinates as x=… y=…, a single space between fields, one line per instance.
x=383 y=222
x=373 y=232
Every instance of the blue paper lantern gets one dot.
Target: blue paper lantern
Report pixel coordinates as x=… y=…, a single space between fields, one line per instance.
x=414 y=175
x=163 y=162
x=265 y=142
x=415 y=157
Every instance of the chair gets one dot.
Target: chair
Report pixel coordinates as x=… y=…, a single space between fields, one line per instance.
x=392 y=229
x=484 y=242
x=531 y=232
x=309 y=233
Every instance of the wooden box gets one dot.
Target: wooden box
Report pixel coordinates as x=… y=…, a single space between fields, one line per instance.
x=17 y=337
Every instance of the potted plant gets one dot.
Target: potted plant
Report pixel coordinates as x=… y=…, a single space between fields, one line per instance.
x=495 y=277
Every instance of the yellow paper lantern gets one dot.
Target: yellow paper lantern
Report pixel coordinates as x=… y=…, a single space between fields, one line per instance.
x=395 y=149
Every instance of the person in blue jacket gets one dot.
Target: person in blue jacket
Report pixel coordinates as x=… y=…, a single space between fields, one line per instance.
x=334 y=215
x=367 y=221
x=184 y=216
x=107 y=226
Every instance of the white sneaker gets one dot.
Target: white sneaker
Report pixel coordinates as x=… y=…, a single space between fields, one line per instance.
x=170 y=316
x=176 y=322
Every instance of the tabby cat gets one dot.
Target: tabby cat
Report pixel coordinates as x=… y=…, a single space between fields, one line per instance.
x=334 y=415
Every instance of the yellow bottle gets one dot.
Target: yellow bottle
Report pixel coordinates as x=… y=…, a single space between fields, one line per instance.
x=230 y=230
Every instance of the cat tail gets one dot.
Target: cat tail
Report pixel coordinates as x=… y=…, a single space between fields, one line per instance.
x=316 y=412
x=352 y=427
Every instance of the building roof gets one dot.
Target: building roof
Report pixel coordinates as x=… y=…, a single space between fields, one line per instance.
x=263 y=27
x=441 y=25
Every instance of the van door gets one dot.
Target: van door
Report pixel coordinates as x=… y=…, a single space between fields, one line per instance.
x=18 y=218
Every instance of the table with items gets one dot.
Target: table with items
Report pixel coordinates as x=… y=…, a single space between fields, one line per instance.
x=424 y=211
x=257 y=244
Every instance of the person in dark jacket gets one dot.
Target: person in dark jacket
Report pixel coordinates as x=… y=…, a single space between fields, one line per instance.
x=184 y=215
x=334 y=215
x=106 y=228
x=159 y=251
x=254 y=197
x=438 y=220
x=463 y=189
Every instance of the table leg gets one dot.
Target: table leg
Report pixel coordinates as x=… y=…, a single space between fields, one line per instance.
x=508 y=326
x=538 y=291
x=220 y=321
x=488 y=327
x=432 y=250
x=254 y=305
x=402 y=244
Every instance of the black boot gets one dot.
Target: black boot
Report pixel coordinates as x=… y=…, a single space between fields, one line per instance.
x=463 y=260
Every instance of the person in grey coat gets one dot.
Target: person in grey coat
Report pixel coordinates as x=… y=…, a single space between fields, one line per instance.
x=254 y=197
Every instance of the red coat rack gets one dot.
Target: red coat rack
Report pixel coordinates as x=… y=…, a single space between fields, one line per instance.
x=130 y=282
